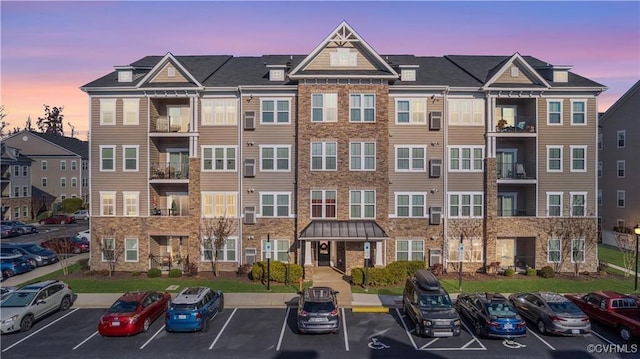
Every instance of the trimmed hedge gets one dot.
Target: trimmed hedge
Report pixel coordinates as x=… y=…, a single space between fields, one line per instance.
x=277 y=271
x=531 y=272
x=509 y=272
x=393 y=273
x=546 y=272
x=175 y=273
x=154 y=273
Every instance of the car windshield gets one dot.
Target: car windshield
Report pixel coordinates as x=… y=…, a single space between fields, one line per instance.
x=18 y=299
x=318 y=307
x=564 y=307
x=439 y=301
x=500 y=310
x=184 y=307
x=34 y=249
x=123 y=307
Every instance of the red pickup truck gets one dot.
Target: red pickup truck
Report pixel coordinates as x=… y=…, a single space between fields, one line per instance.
x=614 y=309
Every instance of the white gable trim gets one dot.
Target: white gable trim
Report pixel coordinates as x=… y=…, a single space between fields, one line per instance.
x=161 y=64
x=516 y=58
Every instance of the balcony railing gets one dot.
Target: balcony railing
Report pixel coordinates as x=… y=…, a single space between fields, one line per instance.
x=156 y=211
x=169 y=170
x=515 y=213
x=512 y=170
x=167 y=125
x=522 y=124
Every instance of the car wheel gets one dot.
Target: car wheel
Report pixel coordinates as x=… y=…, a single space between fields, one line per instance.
x=42 y=222
x=7 y=273
x=205 y=324
x=146 y=325
x=26 y=323
x=65 y=303
x=625 y=333
x=33 y=263
x=541 y=327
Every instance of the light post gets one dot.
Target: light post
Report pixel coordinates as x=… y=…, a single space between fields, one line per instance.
x=636 y=230
x=268 y=262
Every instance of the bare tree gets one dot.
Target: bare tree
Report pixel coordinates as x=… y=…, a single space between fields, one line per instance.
x=624 y=241
x=110 y=249
x=578 y=236
x=214 y=233
x=466 y=229
x=3 y=123
x=62 y=245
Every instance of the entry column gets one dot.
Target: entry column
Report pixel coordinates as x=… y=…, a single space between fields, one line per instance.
x=378 y=259
x=308 y=259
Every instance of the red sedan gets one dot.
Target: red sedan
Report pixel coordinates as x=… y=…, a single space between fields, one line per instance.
x=133 y=313
x=67 y=245
x=58 y=219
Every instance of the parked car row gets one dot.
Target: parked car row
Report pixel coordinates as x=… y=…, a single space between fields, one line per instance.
x=17 y=228
x=67 y=245
x=36 y=255
x=14 y=264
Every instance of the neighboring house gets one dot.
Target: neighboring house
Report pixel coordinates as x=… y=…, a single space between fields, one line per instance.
x=323 y=155
x=618 y=172
x=60 y=166
x=16 y=184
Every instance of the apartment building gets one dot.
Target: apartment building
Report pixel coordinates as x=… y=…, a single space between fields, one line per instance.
x=327 y=158
x=60 y=166
x=16 y=184
x=618 y=199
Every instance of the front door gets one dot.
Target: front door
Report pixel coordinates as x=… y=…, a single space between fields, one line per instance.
x=324 y=254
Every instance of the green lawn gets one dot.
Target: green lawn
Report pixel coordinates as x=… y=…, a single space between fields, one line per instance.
x=610 y=255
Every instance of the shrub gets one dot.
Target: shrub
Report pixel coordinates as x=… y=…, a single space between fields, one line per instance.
x=154 y=273
x=357 y=276
x=413 y=266
x=70 y=205
x=377 y=277
x=190 y=269
x=244 y=269
x=509 y=272
x=546 y=272
x=277 y=271
x=135 y=273
x=531 y=272
x=175 y=273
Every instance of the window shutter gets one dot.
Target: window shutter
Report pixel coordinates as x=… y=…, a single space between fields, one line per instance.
x=435 y=120
x=435 y=215
x=250 y=120
x=250 y=167
x=435 y=168
x=250 y=215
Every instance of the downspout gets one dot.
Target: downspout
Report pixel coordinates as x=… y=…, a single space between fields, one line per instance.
x=445 y=160
x=240 y=167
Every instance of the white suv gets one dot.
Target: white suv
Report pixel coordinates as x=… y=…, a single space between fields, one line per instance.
x=81 y=214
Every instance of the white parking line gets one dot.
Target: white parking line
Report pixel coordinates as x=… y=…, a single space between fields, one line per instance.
x=429 y=343
x=542 y=340
x=39 y=330
x=406 y=329
x=473 y=335
x=602 y=337
x=150 y=339
x=86 y=340
x=284 y=325
x=222 y=330
x=344 y=329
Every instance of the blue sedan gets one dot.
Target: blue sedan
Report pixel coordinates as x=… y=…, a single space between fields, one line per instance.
x=491 y=315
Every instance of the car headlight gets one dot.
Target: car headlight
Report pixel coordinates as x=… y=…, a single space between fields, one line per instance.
x=456 y=322
x=10 y=319
x=426 y=323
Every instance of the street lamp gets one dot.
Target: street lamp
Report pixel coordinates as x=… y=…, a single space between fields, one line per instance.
x=636 y=230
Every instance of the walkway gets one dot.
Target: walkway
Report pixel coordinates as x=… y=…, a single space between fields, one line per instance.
x=329 y=277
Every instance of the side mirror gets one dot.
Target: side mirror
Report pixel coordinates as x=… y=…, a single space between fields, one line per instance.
x=41 y=301
x=520 y=299
x=336 y=293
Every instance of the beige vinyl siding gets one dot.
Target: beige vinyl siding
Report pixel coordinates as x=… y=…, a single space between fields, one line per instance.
x=465 y=181
x=506 y=78
x=163 y=75
x=323 y=61
x=466 y=135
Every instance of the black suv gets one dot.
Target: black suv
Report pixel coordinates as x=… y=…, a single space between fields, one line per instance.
x=429 y=306
x=318 y=311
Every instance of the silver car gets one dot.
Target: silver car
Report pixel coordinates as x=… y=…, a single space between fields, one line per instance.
x=23 y=307
x=552 y=313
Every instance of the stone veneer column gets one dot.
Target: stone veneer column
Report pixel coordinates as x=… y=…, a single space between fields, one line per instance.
x=490 y=210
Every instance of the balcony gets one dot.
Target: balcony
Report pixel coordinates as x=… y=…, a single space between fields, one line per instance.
x=169 y=170
x=510 y=170
x=172 y=205
x=515 y=213
x=517 y=125
x=169 y=124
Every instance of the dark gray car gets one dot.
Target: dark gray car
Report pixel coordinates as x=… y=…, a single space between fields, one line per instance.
x=318 y=311
x=21 y=227
x=36 y=255
x=552 y=313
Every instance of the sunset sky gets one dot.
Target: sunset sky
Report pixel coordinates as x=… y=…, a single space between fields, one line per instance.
x=50 y=49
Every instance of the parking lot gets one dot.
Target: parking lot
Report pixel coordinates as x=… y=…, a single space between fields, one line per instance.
x=271 y=333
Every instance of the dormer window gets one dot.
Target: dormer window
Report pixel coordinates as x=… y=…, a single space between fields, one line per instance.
x=515 y=71
x=408 y=72
x=171 y=71
x=560 y=76
x=344 y=57
x=276 y=75
x=125 y=76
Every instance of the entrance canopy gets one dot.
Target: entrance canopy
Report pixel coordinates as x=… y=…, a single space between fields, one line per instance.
x=350 y=231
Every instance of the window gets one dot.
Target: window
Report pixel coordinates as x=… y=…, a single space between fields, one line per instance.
x=621 y=167
x=63 y=182
x=25 y=211
x=25 y=171
x=43 y=165
x=324 y=156
x=553 y=250
x=108 y=249
x=324 y=107
x=554 y=158
x=599 y=138
x=343 y=57
x=107 y=203
x=274 y=111
x=275 y=204
x=226 y=253
x=219 y=112
x=599 y=197
x=85 y=165
x=410 y=250
x=621 y=195
x=578 y=158
x=621 y=136
x=85 y=182
x=63 y=165
x=219 y=204
x=275 y=158
x=16 y=171
x=362 y=204
x=466 y=112
x=465 y=204
x=578 y=204
x=362 y=108
x=130 y=203
x=108 y=111
x=219 y=158
x=323 y=204
x=411 y=204
x=131 y=111
x=279 y=249
x=130 y=158
x=25 y=191
x=554 y=204
x=554 y=114
x=44 y=181
x=599 y=169
x=466 y=159
x=131 y=249
x=411 y=158
x=74 y=165
x=107 y=158
x=16 y=212
x=411 y=111
x=74 y=182
x=16 y=191
x=578 y=112
x=362 y=156
x=472 y=252
x=577 y=251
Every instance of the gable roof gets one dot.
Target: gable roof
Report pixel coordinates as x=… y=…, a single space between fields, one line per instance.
x=70 y=144
x=515 y=59
x=635 y=89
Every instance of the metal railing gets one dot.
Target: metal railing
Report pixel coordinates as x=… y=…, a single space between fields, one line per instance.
x=512 y=170
x=522 y=124
x=156 y=211
x=169 y=170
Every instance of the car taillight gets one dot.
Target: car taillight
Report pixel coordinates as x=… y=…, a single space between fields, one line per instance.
x=493 y=324
x=334 y=312
x=522 y=324
x=199 y=315
x=303 y=313
x=585 y=319
x=556 y=319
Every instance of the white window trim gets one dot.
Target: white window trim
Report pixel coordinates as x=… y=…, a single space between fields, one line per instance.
x=561 y=194
x=548 y=112
x=471 y=204
x=227 y=196
x=584 y=206
x=423 y=122
x=113 y=248
x=137 y=248
x=624 y=198
x=456 y=107
x=472 y=159
x=363 y=205
x=275 y=204
x=325 y=110
x=584 y=254
x=63 y=181
x=410 y=251
x=467 y=255
x=113 y=206
x=624 y=168
x=362 y=156
x=274 y=248
x=43 y=165
x=549 y=250
x=124 y=158
x=275 y=158
x=44 y=181
x=324 y=203
x=107 y=102
x=275 y=110
x=131 y=102
x=549 y=148
x=63 y=165
x=225 y=159
x=224 y=250
x=323 y=155
x=126 y=194
x=227 y=103
x=74 y=165
x=411 y=158
x=74 y=181
x=624 y=138
x=585 y=113
x=362 y=107
x=113 y=147
x=571 y=148
x=425 y=210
